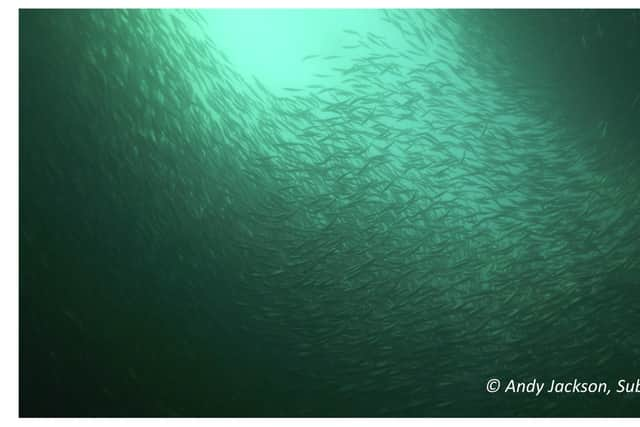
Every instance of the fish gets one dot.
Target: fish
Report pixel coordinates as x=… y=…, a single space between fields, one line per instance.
x=380 y=240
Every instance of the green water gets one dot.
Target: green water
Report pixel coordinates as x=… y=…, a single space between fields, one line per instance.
x=328 y=212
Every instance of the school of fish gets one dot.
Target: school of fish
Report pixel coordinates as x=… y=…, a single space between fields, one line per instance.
x=378 y=247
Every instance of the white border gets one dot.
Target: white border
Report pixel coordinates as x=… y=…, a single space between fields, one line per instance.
x=9 y=213
x=337 y=4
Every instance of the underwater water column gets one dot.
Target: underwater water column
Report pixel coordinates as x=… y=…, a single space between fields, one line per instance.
x=327 y=212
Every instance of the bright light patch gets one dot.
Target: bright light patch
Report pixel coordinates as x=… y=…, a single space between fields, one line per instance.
x=271 y=44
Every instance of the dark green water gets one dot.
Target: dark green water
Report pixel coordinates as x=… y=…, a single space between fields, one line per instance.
x=256 y=213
